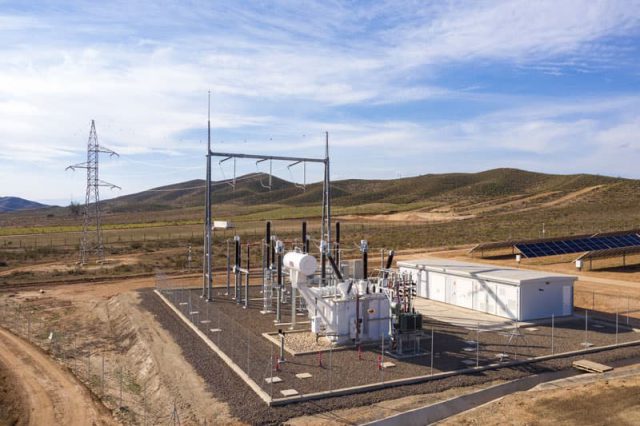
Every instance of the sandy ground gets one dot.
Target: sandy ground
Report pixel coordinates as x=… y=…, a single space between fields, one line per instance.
x=411 y=216
x=153 y=351
x=107 y=320
x=603 y=401
x=54 y=396
x=13 y=409
x=111 y=262
x=448 y=213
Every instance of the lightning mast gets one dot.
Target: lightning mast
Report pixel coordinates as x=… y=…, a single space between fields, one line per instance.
x=92 y=215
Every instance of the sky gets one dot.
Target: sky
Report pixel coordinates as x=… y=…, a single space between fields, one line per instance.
x=403 y=87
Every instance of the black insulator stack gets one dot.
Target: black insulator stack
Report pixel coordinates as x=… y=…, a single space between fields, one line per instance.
x=267 y=241
x=305 y=243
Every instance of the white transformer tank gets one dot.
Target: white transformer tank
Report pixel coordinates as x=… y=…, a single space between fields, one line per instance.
x=346 y=312
x=335 y=315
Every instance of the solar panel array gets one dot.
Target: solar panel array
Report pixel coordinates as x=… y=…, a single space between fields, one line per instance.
x=554 y=248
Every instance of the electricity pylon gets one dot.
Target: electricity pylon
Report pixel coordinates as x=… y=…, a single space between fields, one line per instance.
x=91 y=213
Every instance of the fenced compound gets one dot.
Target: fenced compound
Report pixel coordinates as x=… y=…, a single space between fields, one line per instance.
x=447 y=349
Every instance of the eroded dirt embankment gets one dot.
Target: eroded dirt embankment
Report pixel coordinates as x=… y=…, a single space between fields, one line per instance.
x=12 y=408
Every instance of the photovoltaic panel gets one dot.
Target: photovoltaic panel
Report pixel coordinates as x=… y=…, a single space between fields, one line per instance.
x=554 y=248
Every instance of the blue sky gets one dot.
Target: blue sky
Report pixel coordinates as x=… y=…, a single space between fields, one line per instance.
x=404 y=88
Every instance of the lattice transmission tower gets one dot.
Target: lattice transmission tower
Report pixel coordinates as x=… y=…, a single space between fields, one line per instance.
x=91 y=242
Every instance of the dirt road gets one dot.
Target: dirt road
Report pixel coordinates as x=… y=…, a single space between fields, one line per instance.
x=53 y=395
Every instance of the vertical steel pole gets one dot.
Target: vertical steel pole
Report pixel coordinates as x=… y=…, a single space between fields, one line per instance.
x=328 y=190
x=207 y=222
x=477 y=344
x=228 y=267
x=616 y=326
x=432 y=349
x=236 y=271
x=246 y=287
x=280 y=280
x=586 y=322
x=552 y=330
x=628 y=310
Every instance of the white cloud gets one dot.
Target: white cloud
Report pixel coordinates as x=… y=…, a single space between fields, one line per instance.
x=142 y=71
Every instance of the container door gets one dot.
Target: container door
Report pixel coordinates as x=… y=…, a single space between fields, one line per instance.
x=422 y=284
x=480 y=296
x=436 y=287
x=452 y=294
x=464 y=289
x=491 y=298
x=507 y=301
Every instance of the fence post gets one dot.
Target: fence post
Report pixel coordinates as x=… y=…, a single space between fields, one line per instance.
x=628 y=310
x=552 y=330
x=616 y=326
x=330 y=368
x=478 y=344
x=432 y=349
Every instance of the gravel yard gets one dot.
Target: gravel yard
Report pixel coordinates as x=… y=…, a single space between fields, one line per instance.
x=238 y=332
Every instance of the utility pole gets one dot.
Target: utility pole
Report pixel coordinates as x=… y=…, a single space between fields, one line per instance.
x=92 y=213
x=208 y=279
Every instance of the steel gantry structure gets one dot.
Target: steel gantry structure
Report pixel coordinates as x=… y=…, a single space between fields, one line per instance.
x=325 y=242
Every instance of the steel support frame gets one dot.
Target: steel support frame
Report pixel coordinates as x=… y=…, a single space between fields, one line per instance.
x=208 y=237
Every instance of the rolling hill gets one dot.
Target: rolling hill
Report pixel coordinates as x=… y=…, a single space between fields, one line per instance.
x=12 y=204
x=449 y=188
x=493 y=194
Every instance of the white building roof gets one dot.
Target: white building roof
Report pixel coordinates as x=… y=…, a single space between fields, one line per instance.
x=483 y=271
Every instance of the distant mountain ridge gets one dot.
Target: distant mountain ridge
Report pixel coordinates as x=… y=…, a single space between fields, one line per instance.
x=449 y=187
x=11 y=204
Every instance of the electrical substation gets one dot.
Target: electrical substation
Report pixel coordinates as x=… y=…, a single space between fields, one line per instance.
x=309 y=318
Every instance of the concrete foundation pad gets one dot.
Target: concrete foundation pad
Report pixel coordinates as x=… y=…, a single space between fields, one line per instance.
x=215 y=330
x=205 y=321
x=469 y=349
x=274 y=379
x=463 y=317
x=303 y=375
x=388 y=364
x=289 y=392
